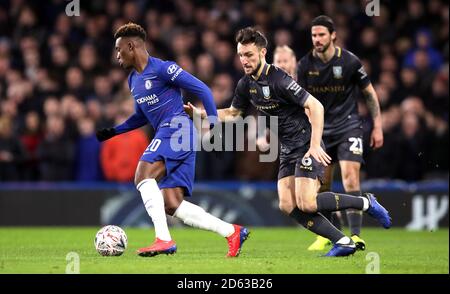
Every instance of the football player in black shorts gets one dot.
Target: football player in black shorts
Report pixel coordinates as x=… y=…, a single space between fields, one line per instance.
x=334 y=76
x=283 y=58
x=302 y=157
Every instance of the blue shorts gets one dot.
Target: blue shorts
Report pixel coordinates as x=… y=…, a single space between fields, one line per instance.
x=170 y=145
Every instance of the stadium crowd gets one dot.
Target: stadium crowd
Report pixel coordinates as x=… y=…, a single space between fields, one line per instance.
x=60 y=81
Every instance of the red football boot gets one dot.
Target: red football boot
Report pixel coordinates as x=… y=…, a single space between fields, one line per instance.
x=158 y=247
x=236 y=240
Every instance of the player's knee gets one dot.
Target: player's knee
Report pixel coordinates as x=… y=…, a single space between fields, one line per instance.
x=307 y=206
x=351 y=182
x=140 y=176
x=146 y=170
x=286 y=206
x=171 y=203
x=137 y=180
x=326 y=186
x=170 y=208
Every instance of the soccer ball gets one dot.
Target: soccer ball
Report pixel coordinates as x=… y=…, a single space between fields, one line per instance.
x=110 y=241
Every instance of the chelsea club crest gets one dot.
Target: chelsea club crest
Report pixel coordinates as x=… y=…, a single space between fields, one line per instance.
x=337 y=72
x=148 y=84
x=266 y=92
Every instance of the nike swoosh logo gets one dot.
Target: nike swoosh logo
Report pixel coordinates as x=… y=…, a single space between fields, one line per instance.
x=150 y=78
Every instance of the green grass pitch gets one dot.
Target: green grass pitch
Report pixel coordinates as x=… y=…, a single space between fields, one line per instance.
x=268 y=250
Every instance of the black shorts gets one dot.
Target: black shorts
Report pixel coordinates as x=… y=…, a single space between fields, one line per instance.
x=346 y=146
x=292 y=163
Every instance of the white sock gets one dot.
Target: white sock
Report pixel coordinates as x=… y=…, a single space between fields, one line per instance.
x=195 y=216
x=344 y=241
x=365 y=203
x=154 y=204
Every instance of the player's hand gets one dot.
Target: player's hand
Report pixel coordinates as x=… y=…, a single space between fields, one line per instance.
x=105 y=134
x=192 y=111
x=318 y=154
x=262 y=144
x=376 y=138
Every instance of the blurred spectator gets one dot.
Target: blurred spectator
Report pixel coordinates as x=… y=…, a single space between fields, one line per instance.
x=438 y=163
x=424 y=44
x=408 y=85
x=60 y=62
x=12 y=153
x=222 y=89
x=31 y=138
x=87 y=154
x=369 y=47
x=55 y=152
x=205 y=67
x=76 y=112
x=51 y=106
x=438 y=101
x=75 y=82
x=27 y=24
x=102 y=89
x=413 y=139
x=88 y=62
x=387 y=161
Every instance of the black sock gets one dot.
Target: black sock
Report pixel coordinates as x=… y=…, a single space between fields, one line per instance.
x=328 y=215
x=336 y=220
x=354 y=217
x=330 y=201
x=317 y=223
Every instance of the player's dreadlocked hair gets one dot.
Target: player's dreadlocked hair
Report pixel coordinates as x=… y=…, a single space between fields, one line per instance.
x=251 y=35
x=131 y=30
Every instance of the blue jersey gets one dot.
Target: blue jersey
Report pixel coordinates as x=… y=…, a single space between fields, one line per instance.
x=157 y=94
x=158 y=101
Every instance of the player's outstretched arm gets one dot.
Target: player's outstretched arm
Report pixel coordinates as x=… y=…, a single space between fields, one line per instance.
x=191 y=84
x=376 y=137
x=224 y=115
x=316 y=114
x=135 y=121
x=229 y=114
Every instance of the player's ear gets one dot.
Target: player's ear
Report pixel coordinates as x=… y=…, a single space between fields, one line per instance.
x=333 y=36
x=130 y=46
x=263 y=51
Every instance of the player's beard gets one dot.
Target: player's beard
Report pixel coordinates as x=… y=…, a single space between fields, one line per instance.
x=324 y=47
x=253 y=73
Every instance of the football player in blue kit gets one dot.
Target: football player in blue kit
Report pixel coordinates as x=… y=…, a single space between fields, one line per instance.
x=165 y=175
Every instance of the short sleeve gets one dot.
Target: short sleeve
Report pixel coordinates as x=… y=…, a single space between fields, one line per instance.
x=291 y=91
x=359 y=74
x=301 y=73
x=240 y=99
